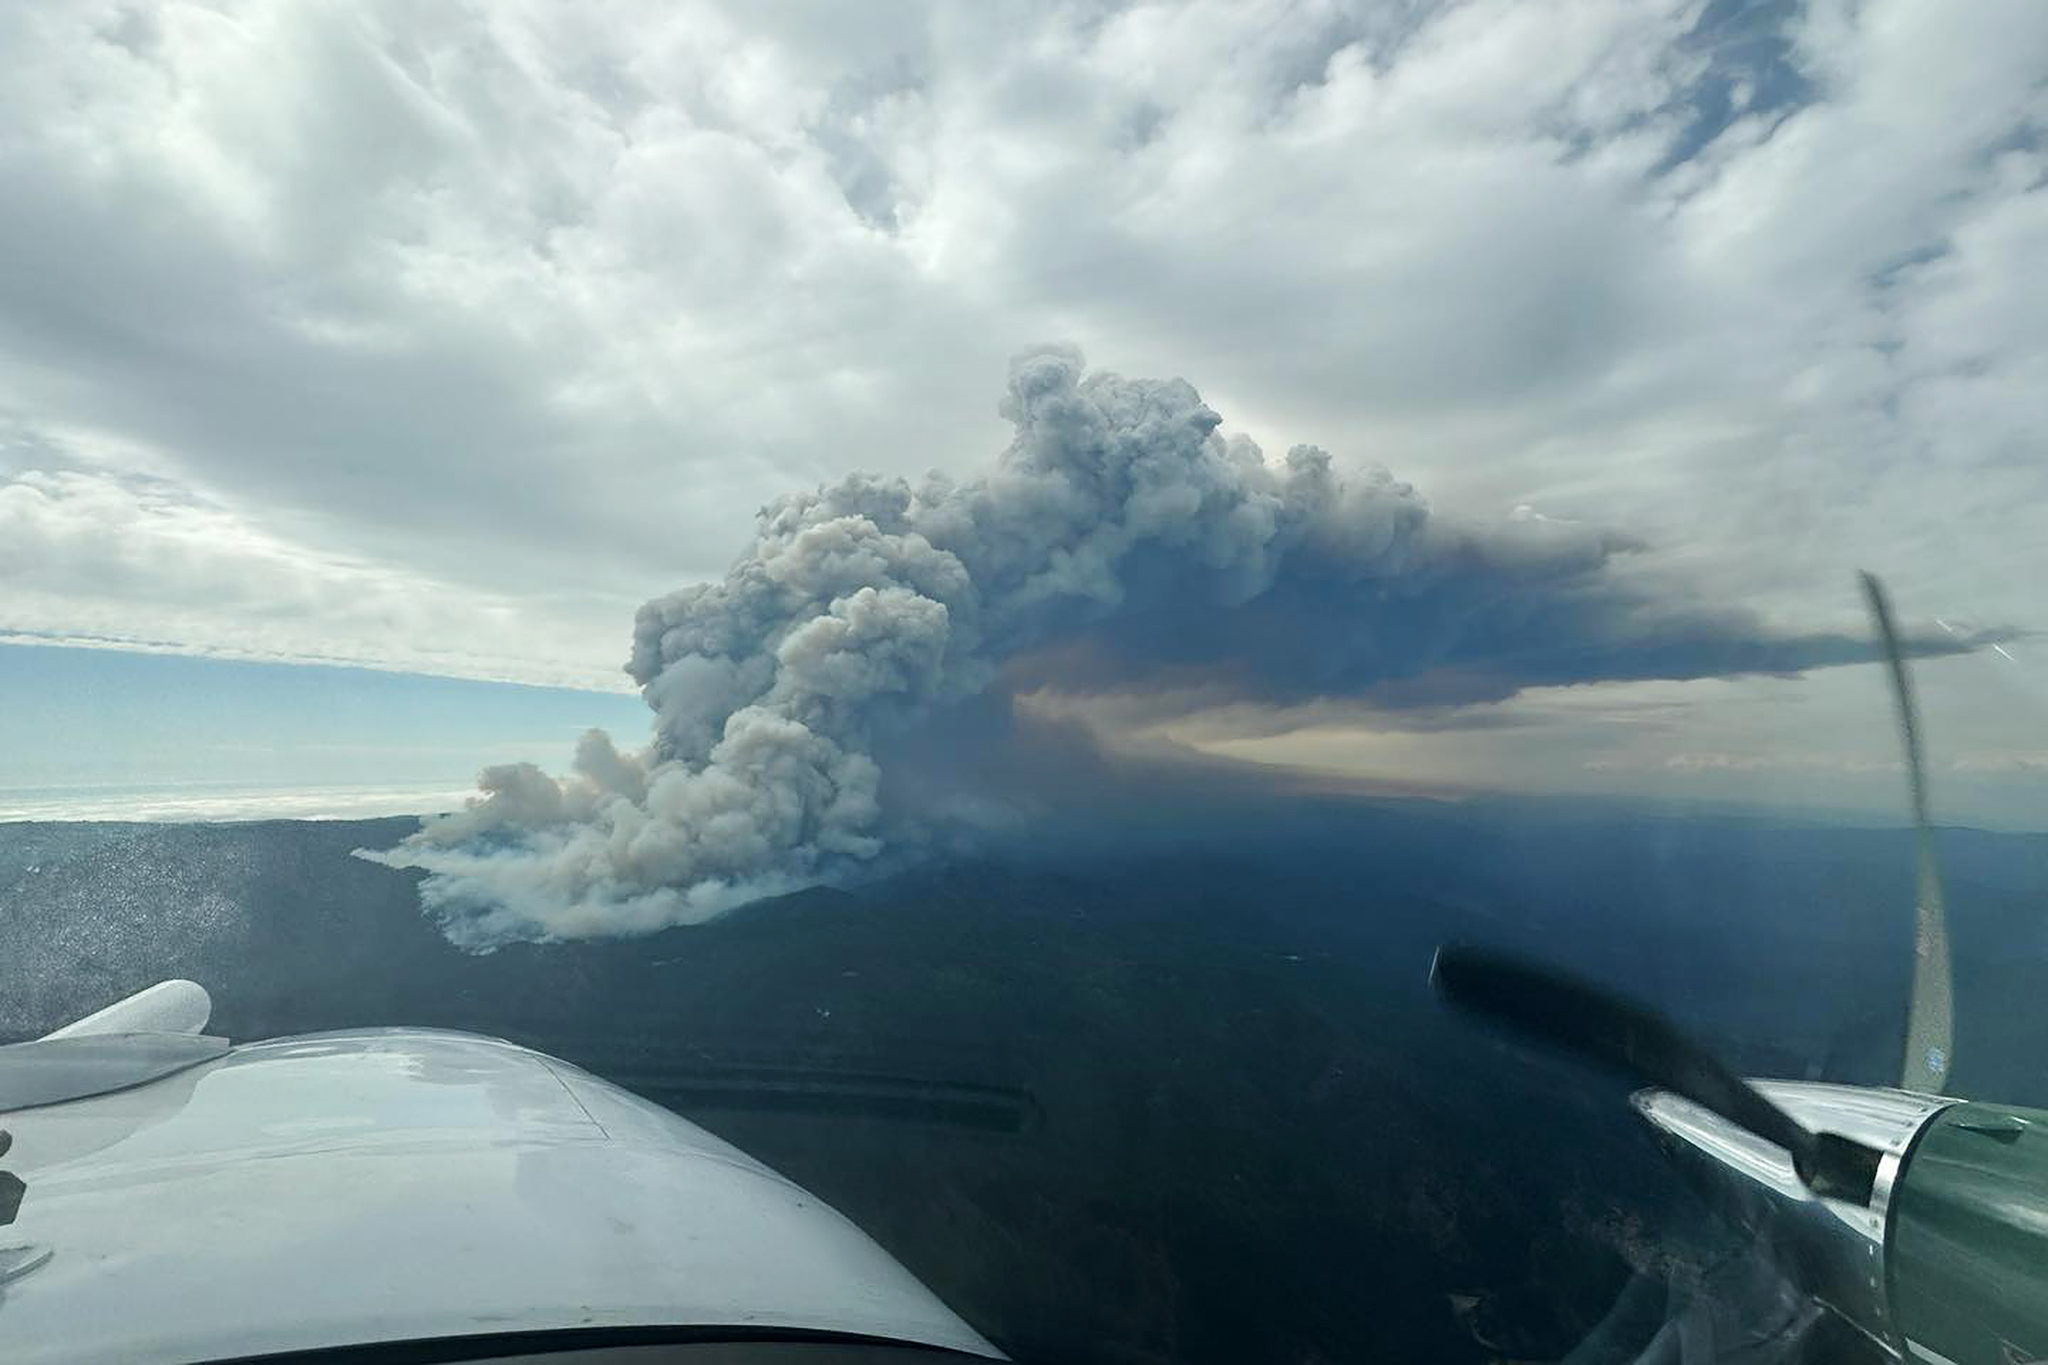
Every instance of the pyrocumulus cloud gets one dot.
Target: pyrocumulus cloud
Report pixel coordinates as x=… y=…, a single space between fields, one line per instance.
x=1121 y=543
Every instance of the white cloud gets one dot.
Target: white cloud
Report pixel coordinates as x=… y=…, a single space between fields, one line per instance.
x=440 y=337
x=241 y=803
x=97 y=559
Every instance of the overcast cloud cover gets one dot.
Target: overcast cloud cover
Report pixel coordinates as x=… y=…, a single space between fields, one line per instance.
x=440 y=338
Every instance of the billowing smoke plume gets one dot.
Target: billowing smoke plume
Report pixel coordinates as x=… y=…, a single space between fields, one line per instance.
x=1120 y=544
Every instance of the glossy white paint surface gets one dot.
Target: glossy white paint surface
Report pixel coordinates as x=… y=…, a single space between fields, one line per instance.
x=167 y=1007
x=394 y=1184
x=55 y=1070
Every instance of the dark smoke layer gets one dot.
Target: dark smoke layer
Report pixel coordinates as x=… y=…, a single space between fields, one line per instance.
x=1121 y=543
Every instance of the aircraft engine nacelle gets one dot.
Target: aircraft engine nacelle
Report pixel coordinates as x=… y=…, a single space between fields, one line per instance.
x=1944 y=1264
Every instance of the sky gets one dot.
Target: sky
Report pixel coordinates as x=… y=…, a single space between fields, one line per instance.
x=115 y=734
x=353 y=349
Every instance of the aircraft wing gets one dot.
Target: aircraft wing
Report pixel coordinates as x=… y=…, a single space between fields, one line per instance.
x=387 y=1186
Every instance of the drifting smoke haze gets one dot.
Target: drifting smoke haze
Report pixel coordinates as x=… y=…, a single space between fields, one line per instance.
x=1122 y=545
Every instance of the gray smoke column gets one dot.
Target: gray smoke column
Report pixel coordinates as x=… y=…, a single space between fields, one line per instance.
x=1121 y=543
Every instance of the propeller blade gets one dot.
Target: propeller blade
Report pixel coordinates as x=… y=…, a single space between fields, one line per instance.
x=1930 y=1018
x=1604 y=1027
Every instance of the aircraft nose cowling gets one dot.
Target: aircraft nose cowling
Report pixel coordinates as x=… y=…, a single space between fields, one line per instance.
x=1969 y=1236
x=1836 y=1248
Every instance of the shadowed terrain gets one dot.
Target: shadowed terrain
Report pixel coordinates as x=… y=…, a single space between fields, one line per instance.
x=1168 y=1093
